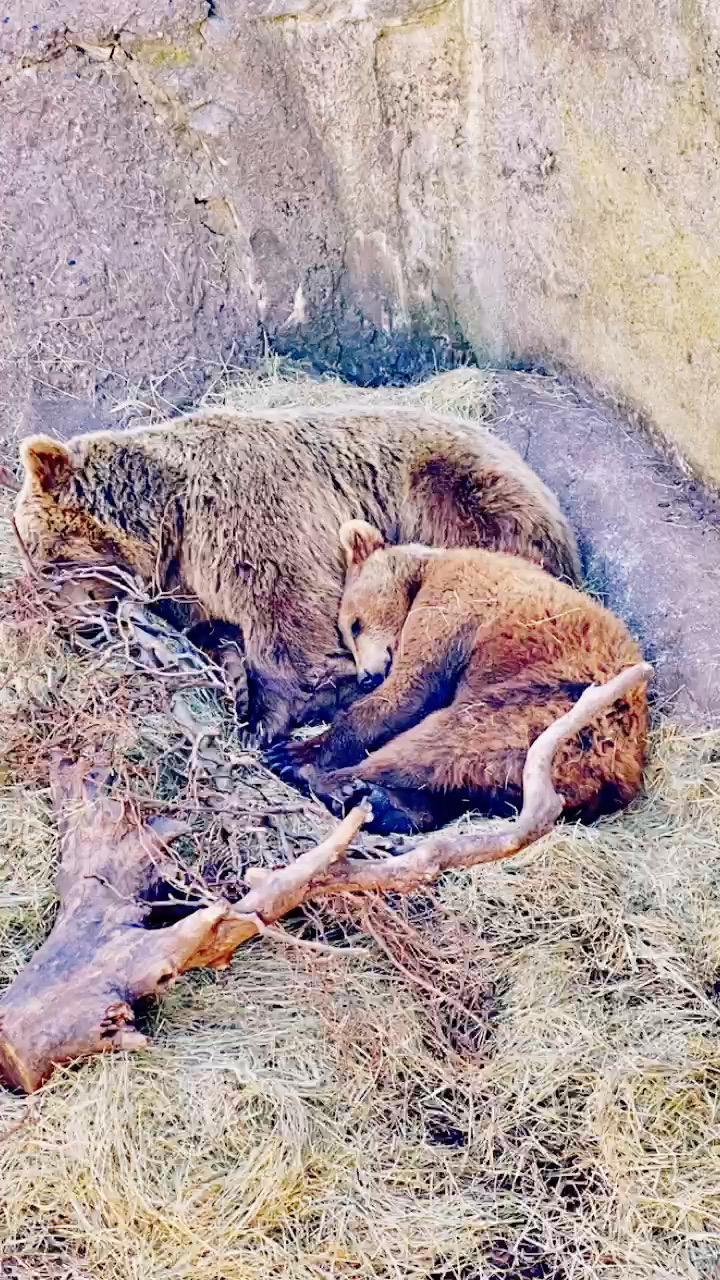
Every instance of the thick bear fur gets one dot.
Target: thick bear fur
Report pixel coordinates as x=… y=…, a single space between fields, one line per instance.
x=242 y=512
x=484 y=651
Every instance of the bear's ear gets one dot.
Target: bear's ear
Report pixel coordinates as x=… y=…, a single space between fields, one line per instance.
x=359 y=539
x=47 y=463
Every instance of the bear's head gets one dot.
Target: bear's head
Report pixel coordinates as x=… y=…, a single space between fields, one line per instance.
x=66 y=512
x=380 y=585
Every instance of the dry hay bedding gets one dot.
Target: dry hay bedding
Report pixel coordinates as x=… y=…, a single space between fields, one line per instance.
x=518 y=1079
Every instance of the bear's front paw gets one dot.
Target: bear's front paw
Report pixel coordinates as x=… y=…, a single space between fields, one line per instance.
x=341 y=794
x=340 y=797
x=295 y=761
x=389 y=817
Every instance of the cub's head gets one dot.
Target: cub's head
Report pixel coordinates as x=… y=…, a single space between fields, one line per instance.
x=380 y=585
x=65 y=511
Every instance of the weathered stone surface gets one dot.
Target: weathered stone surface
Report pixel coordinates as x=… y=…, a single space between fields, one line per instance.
x=34 y=29
x=368 y=181
x=108 y=274
x=595 y=146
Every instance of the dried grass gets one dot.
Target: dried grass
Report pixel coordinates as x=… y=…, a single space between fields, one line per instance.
x=466 y=392
x=520 y=1080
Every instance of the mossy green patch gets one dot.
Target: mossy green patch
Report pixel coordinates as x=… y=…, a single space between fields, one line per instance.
x=160 y=53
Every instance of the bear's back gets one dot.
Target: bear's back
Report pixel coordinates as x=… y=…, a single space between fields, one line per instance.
x=530 y=609
x=329 y=435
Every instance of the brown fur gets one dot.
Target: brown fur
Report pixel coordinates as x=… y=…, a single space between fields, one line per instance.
x=484 y=651
x=243 y=512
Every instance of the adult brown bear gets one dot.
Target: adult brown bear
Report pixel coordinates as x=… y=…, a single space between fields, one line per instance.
x=242 y=512
x=484 y=651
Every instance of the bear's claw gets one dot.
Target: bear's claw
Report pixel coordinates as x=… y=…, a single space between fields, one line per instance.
x=340 y=800
x=292 y=762
x=292 y=754
x=295 y=763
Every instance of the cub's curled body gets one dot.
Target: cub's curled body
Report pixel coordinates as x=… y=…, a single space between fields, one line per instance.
x=242 y=511
x=484 y=651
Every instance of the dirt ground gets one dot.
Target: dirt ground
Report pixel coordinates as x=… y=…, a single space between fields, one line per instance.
x=650 y=537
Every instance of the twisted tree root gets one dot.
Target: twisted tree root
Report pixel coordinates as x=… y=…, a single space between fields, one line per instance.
x=75 y=998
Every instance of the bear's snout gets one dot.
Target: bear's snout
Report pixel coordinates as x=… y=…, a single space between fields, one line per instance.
x=371 y=679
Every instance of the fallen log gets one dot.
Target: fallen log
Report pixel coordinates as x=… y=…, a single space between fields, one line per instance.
x=76 y=997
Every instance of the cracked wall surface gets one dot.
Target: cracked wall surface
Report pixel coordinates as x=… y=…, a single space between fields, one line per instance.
x=370 y=182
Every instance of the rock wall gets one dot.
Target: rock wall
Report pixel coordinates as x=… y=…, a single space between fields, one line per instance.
x=371 y=182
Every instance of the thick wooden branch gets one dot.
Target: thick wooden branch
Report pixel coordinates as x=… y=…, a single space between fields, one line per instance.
x=76 y=996
x=274 y=894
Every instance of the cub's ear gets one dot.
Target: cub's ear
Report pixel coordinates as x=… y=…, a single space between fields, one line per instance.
x=46 y=462
x=359 y=539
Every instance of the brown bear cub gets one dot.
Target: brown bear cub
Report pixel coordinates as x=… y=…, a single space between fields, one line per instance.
x=470 y=655
x=241 y=513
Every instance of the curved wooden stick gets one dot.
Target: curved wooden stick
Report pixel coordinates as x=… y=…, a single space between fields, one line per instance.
x=76 y=996
x=274 y=895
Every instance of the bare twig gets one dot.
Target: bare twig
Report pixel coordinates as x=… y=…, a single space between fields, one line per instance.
x=8 y=480
x=27 y=559
x=290 y=939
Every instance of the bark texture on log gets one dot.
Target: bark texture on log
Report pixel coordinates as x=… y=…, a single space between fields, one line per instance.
x=76 y=996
